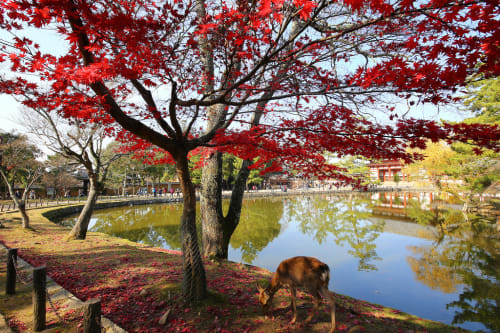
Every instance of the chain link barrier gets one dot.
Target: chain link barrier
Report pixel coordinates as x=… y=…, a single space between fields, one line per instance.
x=27 y=280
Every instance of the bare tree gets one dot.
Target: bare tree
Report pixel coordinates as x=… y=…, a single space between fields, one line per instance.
x=60 y=174
x=81 y=142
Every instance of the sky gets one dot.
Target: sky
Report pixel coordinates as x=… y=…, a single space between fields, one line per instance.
x=10 y=115
x=50 y=42
x=10 y=110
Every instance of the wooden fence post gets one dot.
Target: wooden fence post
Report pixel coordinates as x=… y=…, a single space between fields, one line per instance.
x=92 y=316
x=39 y=298
x=10 y=287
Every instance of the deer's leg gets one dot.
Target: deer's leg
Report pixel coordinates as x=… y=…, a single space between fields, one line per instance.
x=316 y=302
x=331 y=300
x=293 y=296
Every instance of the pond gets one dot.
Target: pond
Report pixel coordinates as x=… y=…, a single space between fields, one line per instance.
x=375 y=252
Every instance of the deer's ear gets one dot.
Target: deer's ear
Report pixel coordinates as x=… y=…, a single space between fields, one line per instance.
x=259 y=288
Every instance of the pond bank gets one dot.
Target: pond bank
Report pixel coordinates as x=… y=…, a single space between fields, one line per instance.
x=116 y=201
x=138 y=284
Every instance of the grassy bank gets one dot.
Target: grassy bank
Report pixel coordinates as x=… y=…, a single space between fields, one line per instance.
x=138 y=284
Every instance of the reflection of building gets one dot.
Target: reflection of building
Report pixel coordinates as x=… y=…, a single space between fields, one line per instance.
x=386 y=170
x=395 y=203
x=400 y=226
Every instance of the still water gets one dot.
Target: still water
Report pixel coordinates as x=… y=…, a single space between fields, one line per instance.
x=374 y=250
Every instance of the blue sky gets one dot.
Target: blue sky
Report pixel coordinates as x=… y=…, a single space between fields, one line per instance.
x=10 y=110
x=9 y=114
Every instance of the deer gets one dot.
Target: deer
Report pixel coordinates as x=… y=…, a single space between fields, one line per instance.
x=307 y=272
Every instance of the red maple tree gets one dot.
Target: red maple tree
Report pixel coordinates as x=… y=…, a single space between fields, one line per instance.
x=182 y=75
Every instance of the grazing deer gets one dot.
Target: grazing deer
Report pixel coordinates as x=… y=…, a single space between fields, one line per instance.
x=306 y=272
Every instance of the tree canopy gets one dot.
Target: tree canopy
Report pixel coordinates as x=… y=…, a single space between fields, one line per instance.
x=345 y=57
x=323 y=75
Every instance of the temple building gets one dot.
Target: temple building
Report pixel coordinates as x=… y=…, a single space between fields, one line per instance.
x=386 y=169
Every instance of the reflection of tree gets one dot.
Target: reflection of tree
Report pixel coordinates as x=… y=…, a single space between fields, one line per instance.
x=156 y=225
x=346 y=218
x=468 y=256
x=316 y=216
x=430 y=272
x=440 y=215
x=259 y=225
x=480 y=301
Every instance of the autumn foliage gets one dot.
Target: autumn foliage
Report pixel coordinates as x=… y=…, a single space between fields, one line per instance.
x=319 y=76
x=346 y=57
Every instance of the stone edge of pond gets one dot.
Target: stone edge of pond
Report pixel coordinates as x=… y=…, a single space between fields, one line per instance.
x=58 y=213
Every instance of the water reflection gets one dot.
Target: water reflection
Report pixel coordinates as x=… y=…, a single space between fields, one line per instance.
x=156 y=225
x=344 y=217
x=465 y=254
x=260 y=224
x=449 y=273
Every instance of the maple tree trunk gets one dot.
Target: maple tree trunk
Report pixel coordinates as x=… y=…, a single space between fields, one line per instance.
x=217 y=229
x=194 y=282
x=212 y=219
x=81 y=226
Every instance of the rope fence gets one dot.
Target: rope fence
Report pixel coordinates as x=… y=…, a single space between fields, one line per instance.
x=38 y=279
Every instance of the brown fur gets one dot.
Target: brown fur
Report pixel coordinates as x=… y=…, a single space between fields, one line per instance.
x=306 y=272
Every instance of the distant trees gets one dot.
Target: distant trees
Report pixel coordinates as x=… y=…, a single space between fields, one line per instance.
x=356 y=167
x=128 y=172
x=231 y=165
x=466 y=171
x=59 y=175
x=82 y=143
x=483 y=99
x=19 y=165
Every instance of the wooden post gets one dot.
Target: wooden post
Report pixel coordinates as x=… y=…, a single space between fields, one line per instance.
x=92 y=316
x=39 y=298
x=10 y=287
